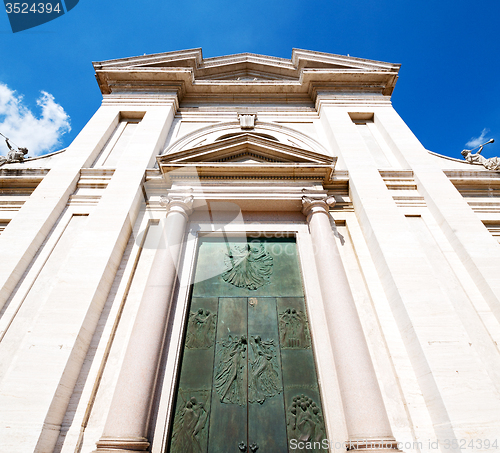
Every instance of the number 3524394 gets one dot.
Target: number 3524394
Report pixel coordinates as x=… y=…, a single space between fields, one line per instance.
x=37 y=8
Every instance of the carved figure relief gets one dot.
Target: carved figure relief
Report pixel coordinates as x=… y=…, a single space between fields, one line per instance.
x=264 y=380
x=250 y=351
x=305 y=420
x=231 y=370
x=294 y=333
x=189 y=433
x=201 y=329
x=250 y=266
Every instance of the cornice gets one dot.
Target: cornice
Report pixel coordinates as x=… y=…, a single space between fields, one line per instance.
x=189 y=73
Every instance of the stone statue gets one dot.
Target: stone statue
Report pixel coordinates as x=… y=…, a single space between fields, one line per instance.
x=14 y=154
x=493 y=163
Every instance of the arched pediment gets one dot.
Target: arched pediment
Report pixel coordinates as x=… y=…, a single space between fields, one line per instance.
x=275 y=132
x=247 y=155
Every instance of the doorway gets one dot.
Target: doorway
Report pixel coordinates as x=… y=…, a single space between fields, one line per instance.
x=247 y=379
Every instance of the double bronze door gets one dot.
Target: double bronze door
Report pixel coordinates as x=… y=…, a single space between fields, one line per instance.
x=247 y=381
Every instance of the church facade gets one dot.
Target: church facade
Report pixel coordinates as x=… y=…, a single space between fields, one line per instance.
x=248 y=253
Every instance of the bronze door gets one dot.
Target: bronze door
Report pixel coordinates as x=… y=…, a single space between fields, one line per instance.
x=248 y=380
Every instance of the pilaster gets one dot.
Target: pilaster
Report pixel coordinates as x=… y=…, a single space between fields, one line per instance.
x=474 y=245
x=424 y=313
x=80 y=289
x=40 y=212
x=127 y=423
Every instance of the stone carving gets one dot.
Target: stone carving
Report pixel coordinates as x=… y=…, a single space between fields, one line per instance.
x=250 y=266
x=294 y=333
x=493 y=163
x=304 y=420
x=247 y=121
x=231 y=370
x=264 y=380
x=14 y=155
x=189 y=434
x=201 y=329
x=309 y=203
x=180 y=203
x=170 y=199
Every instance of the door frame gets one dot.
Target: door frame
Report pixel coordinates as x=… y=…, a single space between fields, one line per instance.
x=323 y=357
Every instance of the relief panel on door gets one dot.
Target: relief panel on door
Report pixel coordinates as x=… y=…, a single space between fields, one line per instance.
x=248 y=380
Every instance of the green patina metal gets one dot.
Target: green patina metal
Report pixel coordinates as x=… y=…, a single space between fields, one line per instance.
x=248 y=380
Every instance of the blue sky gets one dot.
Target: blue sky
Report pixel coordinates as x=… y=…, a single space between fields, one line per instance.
x=448 y=91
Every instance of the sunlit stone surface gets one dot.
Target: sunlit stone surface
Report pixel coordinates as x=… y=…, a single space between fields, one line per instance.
x=391 y=310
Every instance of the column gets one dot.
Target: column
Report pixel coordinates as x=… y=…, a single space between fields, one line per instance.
x=366 y=418
x=127 y=423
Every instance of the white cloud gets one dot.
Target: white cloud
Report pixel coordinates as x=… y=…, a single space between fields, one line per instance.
x=474 y=142
x=39 y=134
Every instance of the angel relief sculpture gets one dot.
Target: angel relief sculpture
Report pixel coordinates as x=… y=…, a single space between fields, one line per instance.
x=294 y=333
x=189 y=433
x=231 y=370
x=264 y=379
x=250 y=266
x=201 y=329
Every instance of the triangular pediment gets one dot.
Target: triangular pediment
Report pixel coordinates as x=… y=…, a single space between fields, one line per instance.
x=248 y=156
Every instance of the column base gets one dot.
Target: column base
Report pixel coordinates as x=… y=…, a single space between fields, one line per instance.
x=372 y=445
x=122 y=445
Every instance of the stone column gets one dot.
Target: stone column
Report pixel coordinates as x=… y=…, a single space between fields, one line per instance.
x=127 y=423
x=365 y=415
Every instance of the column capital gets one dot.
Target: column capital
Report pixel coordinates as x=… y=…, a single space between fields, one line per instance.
x=181 y=203
x=310 y=205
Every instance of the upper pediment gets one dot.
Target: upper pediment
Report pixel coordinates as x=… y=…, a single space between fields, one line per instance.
x=244 y=72
x=247 y=155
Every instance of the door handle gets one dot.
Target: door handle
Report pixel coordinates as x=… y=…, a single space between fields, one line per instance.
x=242 y=446
x=254 y=447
